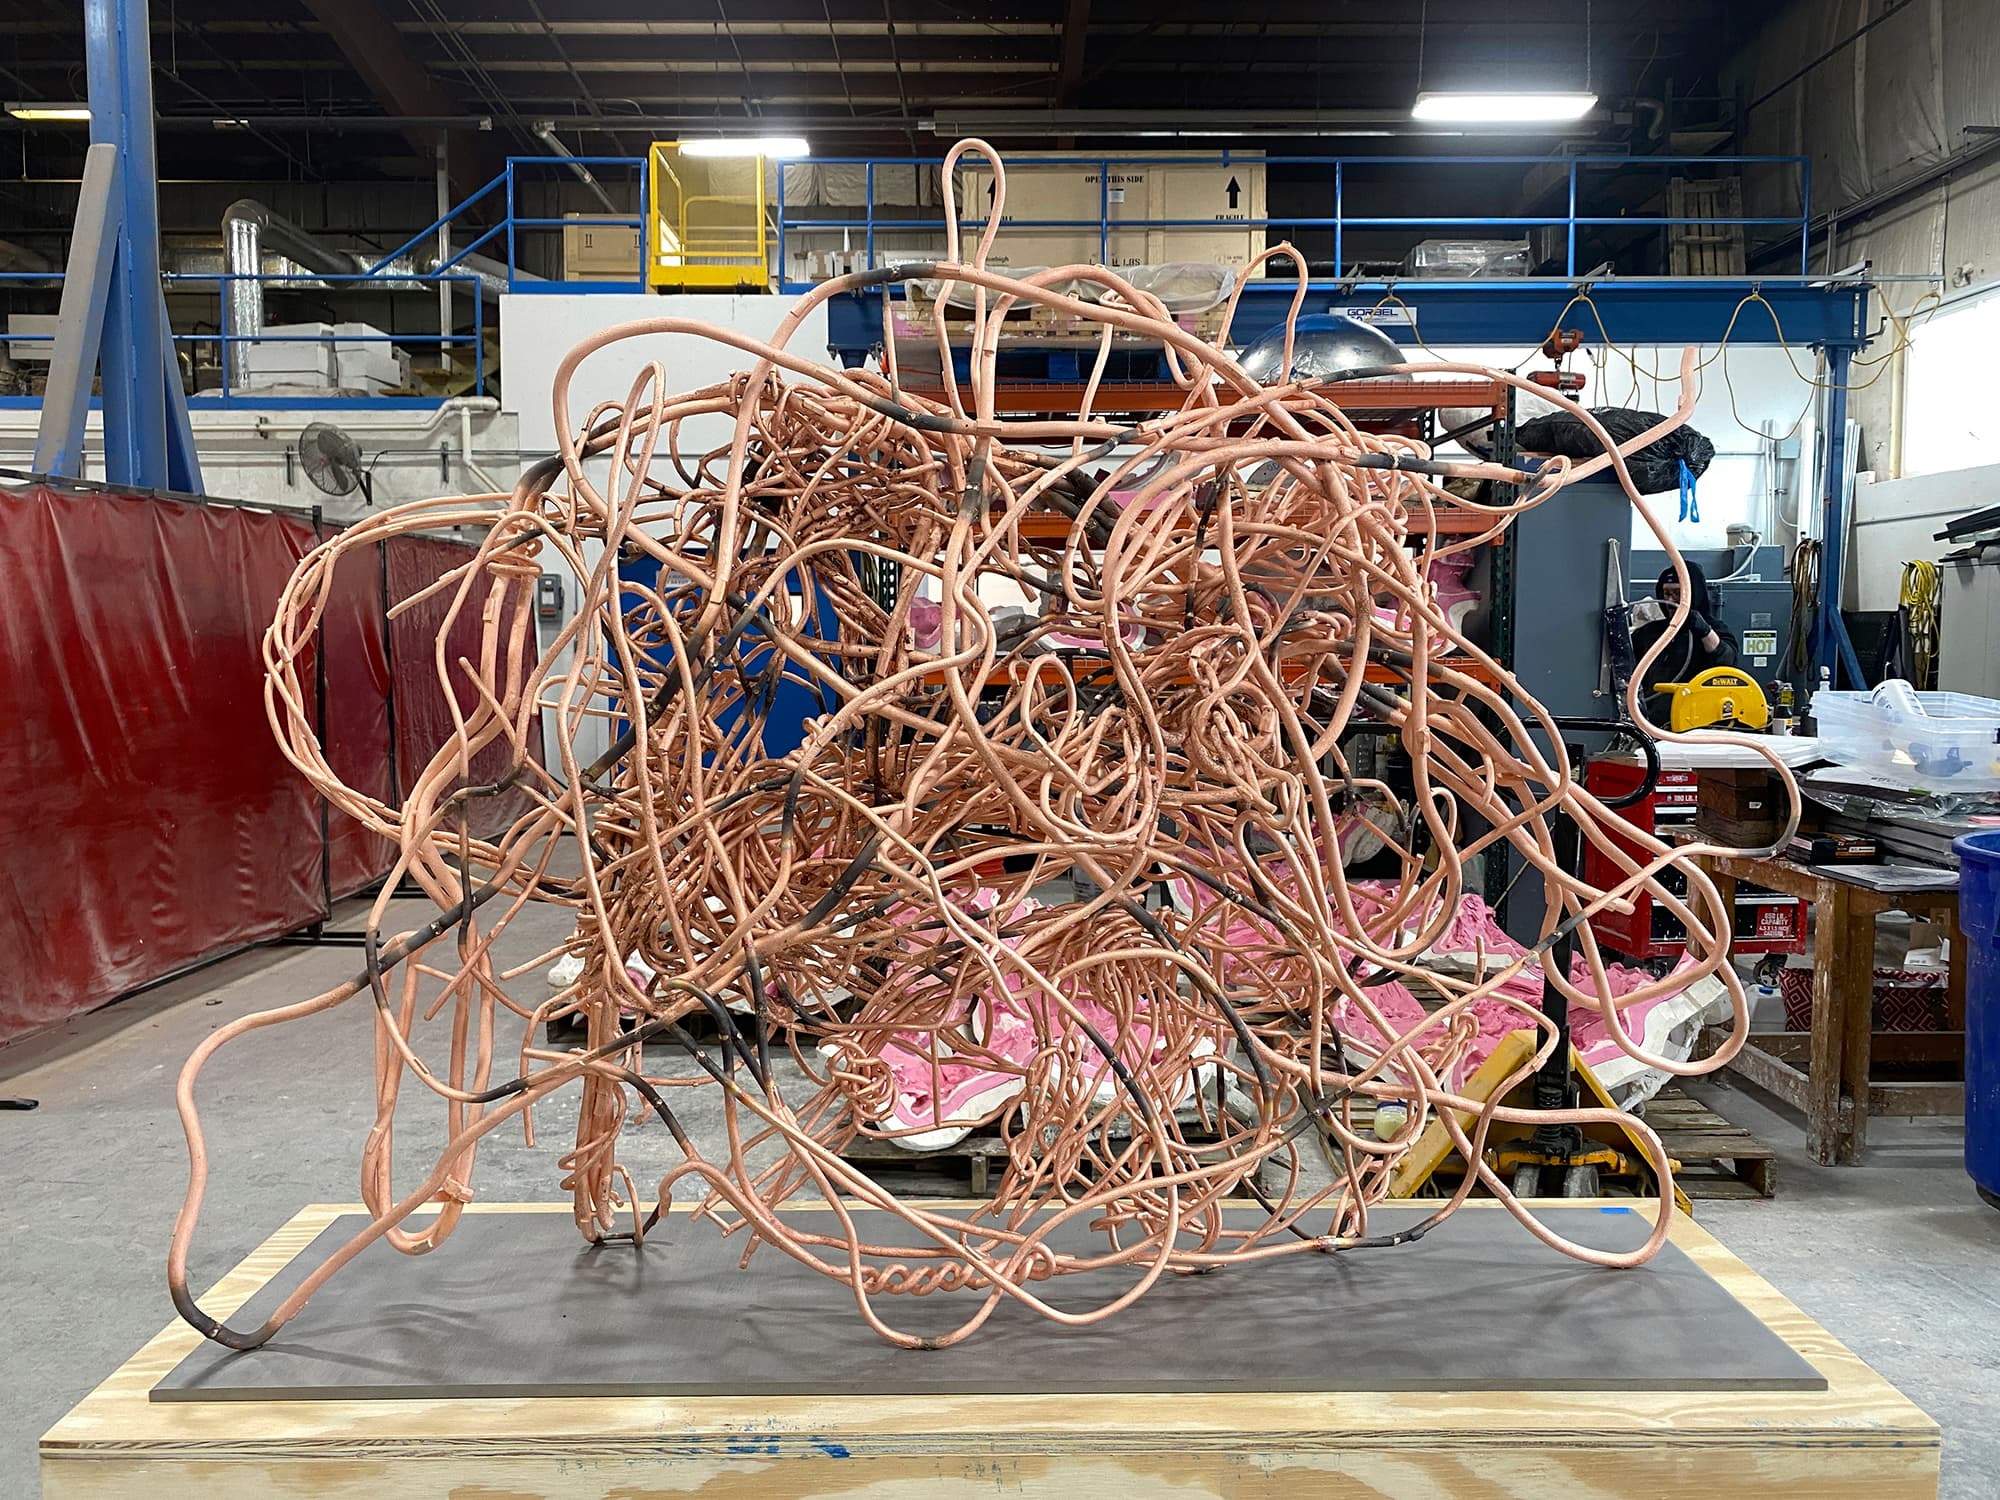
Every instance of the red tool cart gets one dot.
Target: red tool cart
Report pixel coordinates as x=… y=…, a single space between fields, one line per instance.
x=1768 y=924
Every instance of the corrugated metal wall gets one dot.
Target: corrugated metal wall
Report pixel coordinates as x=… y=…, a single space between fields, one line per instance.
x=1884 y=112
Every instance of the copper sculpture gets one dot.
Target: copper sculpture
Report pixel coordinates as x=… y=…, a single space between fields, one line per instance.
x=864 y=920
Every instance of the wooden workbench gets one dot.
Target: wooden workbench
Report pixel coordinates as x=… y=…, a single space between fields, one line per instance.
x=1828 y=1072
x=1858 y=1437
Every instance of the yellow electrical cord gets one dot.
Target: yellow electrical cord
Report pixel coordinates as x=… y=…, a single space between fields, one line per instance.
x=1900 y=323
x=1923 y=590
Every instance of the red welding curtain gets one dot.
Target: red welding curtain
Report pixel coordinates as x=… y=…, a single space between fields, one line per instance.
x=423 y=715
x=146 y=816
x=356 y=733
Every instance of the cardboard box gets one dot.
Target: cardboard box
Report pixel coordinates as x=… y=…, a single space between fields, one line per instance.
x=600 y=252
x=1042 y=192
x=41 y=349
x=1220 y=195
x=332 y=356
x=1195 y=197
x=306 y=359
x=1215 y=247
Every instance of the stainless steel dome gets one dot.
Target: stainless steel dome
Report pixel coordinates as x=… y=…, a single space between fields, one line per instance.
x=1324 y=347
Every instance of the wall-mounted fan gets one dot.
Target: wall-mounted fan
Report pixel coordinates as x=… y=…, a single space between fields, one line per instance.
x=332 y=461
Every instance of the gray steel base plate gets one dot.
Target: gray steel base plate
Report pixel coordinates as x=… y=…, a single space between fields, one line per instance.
x=516 y=1305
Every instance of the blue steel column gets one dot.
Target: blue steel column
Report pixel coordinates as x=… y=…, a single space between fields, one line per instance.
x=1569 y=265
x=135 y=357
x=1832 y=648
x=1339 y=215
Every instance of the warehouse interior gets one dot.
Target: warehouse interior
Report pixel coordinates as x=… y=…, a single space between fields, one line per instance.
x=746 y=740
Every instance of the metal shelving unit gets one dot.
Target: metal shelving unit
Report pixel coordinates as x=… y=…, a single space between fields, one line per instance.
x=1828 y=314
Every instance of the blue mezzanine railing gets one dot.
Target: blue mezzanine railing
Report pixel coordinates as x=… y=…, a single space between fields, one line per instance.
x=1571 y=181
x=507 y=229
x=224 y=338
x=506 y=234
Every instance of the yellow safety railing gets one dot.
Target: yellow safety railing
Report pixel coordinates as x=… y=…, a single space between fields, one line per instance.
x=706 y=226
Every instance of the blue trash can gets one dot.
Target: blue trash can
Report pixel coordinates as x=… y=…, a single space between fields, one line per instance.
x=1979 y=920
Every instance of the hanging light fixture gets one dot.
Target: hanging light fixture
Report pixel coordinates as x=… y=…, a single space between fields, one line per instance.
x=1499 y=106
x=749 y=145
x=1468 y=107
x=48 y=110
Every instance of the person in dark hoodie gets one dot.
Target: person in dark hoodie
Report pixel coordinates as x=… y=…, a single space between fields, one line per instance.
x=1699 y=644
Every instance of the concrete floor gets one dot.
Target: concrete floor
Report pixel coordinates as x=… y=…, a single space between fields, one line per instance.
x=1896 y=1257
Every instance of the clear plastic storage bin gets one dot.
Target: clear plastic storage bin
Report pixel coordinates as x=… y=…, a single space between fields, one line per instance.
x=1469 y=258
x=1945 y=742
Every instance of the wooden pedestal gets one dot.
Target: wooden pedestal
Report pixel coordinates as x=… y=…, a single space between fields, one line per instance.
x=1858 y=1438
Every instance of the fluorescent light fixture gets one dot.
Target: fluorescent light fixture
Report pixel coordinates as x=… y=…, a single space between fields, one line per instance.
x=29 y=111
x=750 y=145
x=1166 y=124
x=1501 y=109
x=1199 y=134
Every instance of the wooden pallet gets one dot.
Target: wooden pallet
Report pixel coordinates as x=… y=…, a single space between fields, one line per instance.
x=967 y=1169
x=1711 y=248
x=964 y=1170
x=1715 y=1158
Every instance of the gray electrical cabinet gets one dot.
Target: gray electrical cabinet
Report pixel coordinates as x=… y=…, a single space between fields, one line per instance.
x=1560 y=558
x=1757 y=607
x=1969 y=625
x=1760 y=616
x=1560 y=562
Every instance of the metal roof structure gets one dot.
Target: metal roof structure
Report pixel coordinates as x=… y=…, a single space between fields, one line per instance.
x=323 y=89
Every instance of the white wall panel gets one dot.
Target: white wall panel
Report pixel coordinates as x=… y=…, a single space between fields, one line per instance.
x=538 y=331
x=1895 y=520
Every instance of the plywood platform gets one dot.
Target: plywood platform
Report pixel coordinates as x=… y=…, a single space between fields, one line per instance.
x=1857 y=1437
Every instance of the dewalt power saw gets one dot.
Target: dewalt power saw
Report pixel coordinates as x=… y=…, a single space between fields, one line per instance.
x=1724 y=697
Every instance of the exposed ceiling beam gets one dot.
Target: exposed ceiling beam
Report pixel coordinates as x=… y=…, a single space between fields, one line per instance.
x=1248 y=122
x=811 y=15
x=1069 y=68
x=331 y=126
x=1027 y=53
x=721 y=68
x=545 y=99
x=696 y=30
x=1384 y=15
x=308 y=45
x=401 y=85
x=774 y=50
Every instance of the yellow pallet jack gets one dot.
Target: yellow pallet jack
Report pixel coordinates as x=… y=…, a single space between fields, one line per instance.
x=1548 y=1160
x=1609 y=1151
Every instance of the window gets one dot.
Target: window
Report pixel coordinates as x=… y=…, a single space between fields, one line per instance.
x=1950 y=418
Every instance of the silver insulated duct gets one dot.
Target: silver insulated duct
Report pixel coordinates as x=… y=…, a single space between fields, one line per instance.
x=251 y=229
x=248 y=228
